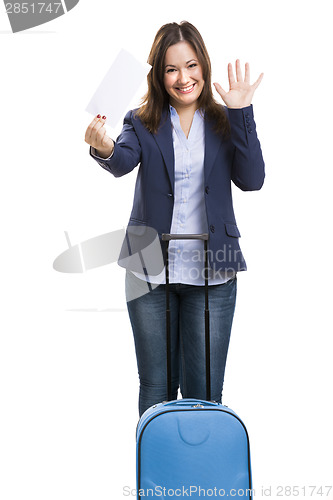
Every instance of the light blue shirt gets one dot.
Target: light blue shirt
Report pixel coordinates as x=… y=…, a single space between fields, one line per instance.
x=186 y=257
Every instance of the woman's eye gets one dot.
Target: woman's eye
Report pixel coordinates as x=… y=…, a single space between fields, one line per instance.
x=170 y=70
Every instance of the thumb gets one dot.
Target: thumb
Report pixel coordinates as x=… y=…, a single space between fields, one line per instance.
x=219 y=89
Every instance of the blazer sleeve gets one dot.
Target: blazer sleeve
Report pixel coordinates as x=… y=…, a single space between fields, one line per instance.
x=127 y=151
x=248 y=167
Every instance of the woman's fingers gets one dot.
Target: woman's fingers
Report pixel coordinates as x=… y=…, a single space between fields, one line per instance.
x=95 y=131
x=90 y=128
x=230 y=74
x=239 y=75
x=219 y=89
x=98 y=132
x=103 y=137
x=247 y=73
x=257 y=82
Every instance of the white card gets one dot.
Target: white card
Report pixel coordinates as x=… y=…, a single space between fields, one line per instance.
x=118 y=88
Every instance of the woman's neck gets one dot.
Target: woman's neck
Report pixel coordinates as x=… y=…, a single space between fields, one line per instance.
x=185 y=112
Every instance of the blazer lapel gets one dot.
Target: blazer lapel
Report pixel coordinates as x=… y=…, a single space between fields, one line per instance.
x=163 y=138
x=212 y=145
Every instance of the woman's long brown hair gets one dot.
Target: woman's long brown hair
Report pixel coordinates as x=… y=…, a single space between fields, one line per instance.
x=156 y=99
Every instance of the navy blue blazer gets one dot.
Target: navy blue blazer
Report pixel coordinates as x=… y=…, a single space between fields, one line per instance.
x=237 y=159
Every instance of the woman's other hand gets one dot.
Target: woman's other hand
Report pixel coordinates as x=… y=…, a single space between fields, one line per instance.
x=240 y=92
x=97 y=137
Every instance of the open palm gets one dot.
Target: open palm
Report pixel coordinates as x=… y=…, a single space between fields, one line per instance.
x=240 y=90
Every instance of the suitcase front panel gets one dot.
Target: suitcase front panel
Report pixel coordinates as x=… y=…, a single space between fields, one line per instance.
x=185 y=450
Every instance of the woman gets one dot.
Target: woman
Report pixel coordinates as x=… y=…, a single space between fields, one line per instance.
x=189 y=148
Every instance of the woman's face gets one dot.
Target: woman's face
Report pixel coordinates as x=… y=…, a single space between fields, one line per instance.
x=183 y=79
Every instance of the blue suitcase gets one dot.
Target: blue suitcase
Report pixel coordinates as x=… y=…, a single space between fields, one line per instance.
x=188 y=447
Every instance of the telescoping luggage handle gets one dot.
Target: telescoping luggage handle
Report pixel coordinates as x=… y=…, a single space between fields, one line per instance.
x=167 y=238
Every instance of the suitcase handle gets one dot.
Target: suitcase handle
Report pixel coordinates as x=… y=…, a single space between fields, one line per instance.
x=190 y=402
x=167 y=238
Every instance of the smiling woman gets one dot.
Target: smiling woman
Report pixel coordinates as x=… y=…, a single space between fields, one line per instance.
x=189 y=148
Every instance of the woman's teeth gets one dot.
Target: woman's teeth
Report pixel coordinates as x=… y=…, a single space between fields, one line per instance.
x=186 y=90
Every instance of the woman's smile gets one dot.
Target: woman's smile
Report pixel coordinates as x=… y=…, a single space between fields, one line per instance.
x=186 y=90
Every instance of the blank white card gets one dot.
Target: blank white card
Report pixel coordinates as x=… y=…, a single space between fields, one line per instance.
x=118 y=88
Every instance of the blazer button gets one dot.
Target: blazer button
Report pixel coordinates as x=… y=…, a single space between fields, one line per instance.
x=212 y=228
x=207 y=189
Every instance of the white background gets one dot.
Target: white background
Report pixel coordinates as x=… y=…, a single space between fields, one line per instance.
x=69 y=383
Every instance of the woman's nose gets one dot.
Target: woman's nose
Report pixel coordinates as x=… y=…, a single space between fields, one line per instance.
x=183 y=76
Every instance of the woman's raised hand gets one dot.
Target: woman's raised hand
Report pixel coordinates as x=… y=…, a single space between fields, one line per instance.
x=97 y=137
x=240 y=92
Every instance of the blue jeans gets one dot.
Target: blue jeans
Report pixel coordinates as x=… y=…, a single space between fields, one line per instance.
x=187 y=302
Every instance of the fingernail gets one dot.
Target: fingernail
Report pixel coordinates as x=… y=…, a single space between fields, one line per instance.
x=104 y=117
x=98 y=116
